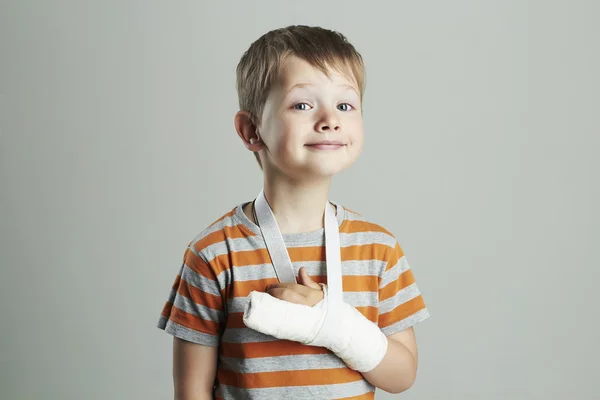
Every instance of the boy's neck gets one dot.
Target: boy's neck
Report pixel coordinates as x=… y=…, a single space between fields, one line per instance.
x=298 y=207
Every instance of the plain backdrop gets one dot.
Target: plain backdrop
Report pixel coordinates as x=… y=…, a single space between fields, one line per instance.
x=117 y=147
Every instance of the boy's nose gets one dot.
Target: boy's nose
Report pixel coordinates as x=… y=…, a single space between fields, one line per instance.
x=328 y=124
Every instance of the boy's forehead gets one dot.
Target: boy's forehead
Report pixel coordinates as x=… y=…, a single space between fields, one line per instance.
x=296 y=71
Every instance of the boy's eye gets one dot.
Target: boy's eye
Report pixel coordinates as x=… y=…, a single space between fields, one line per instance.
x=301 y=106
x=344 y=107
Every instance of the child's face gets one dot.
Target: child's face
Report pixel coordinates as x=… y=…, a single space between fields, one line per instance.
x=306 y=108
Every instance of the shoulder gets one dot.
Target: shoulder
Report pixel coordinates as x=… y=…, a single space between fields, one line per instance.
x=366 y=230
x=227 y=226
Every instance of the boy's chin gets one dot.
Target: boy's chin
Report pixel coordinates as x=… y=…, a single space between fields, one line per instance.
x=323 y=170
x=314 y=170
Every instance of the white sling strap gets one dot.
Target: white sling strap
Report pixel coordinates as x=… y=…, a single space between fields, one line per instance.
x=281 y=259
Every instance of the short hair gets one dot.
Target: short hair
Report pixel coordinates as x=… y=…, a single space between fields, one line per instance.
x=259 y=67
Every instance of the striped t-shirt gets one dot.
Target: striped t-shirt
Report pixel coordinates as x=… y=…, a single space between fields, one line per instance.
x=229 y=259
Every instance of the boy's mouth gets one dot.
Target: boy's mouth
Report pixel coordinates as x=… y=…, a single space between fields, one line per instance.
x=326 y=145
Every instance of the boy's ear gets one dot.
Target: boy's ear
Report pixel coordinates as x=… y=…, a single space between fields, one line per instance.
x=247 y=131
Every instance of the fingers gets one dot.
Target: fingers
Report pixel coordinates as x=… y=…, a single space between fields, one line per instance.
x=306 y=280
x=294 y=287
x=308 y=292
x=288 y=295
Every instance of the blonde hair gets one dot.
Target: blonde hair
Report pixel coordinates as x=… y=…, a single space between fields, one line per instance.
x=259 y=67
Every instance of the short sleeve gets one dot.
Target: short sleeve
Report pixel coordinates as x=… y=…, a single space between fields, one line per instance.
x=194 y=310
x=401 y=304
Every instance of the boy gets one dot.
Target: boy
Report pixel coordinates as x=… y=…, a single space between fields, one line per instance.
x=240 y=330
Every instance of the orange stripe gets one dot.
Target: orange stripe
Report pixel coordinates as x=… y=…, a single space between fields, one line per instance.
x=362 y=226
x=367 y=252
x=313 y=253
x=310 y=253
x=356 y=283
x=200 y=297
x=197 y=264
x=192 y=322
x=307 y=253
x=275 y=348
x=374 y=251
x=235 y=320
x=404 y=280
x=243 y=288
x=228 y=232
x=166 y=311
x=249 y=257
x=371 y=313
x=224 y=262
x=289 y=378
x=401 y=312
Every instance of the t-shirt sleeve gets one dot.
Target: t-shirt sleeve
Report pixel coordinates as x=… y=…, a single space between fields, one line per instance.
x=401 y=304
x=194 y=310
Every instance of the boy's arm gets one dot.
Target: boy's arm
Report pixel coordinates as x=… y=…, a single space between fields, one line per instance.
x=398 y=369
x=194 y=370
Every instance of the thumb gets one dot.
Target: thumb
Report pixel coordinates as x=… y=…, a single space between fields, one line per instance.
x=306 y=280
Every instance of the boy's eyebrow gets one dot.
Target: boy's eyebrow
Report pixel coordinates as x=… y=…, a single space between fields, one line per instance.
x=305 y=84
x=299 y=85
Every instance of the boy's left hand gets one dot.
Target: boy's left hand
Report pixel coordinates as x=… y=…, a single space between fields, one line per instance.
x=308 y=292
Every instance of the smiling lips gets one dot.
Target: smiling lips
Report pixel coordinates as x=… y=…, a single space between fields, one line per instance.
x=326 y=145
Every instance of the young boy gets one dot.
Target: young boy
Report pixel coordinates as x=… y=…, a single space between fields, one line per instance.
x=240 y=330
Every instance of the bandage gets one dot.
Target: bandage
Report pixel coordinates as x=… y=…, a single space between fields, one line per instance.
x=353 y=338
x=282 y=319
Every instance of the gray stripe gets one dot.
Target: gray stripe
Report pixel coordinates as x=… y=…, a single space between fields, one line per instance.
x=245 y=335
x=300 y=392
x=363 y=267
x=314 y=268
x=198 y=310
x=404 y=295
x=204 y=284
x=237 y=304
x=362 y=299
x=351 y=216
x=393 y=273
x=184 y=333
x=417 y=317
x=282 y=363
x=253 y=243
x=366 y=239
x=248 y=273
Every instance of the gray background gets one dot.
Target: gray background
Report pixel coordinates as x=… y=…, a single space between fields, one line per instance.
x=117 y=147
